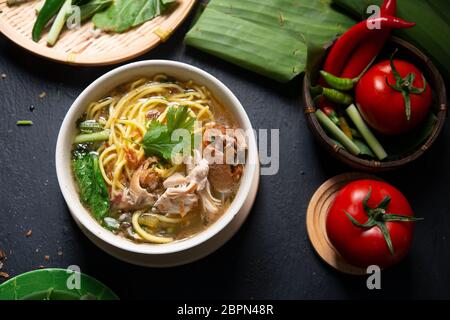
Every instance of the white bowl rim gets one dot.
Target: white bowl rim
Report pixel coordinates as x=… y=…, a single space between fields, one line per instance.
x=82 y=215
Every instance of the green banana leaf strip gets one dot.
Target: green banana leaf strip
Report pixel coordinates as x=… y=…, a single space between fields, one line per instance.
x=268 y=37
x=311 y=21
x=431 y=33
x=261 y=49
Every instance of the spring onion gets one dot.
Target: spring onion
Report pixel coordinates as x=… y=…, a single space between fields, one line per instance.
x=92 y=137
x=61 y=18
x=371 y=140
x=24 y=123
x=90 y=126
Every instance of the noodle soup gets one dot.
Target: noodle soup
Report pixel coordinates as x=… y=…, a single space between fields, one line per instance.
x=157 y=160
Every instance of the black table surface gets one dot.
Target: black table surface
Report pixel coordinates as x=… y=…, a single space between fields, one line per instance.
x=269 y=258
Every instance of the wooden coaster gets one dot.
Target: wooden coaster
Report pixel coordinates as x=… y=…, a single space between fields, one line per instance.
x=316 y=221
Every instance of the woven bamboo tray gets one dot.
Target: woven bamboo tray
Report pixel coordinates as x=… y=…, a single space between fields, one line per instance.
x=316 y=216
x=81 y=46
x=439 y=108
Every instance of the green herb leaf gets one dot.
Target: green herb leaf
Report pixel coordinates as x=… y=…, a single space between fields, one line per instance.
x=92 y=187
x=90 y=8
x=158 y=138
x=125 y=14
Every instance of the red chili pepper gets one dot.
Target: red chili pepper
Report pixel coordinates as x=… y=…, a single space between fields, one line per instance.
x=344 y=46
x=371 y=47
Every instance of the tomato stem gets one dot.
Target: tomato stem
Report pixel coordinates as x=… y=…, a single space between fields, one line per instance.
x=378 y=217
x=405 y=86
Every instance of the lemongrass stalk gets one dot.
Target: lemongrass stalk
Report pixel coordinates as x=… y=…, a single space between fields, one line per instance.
x=60 y=20
x=337 y=133
x=367 y=134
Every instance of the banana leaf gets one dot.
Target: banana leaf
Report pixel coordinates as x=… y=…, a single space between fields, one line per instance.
x=431 y=33
x=268 y=37
x=278 y=56
x=311 y=21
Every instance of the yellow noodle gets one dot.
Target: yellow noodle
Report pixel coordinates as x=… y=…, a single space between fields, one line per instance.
x=144 y=234
x=125 y=111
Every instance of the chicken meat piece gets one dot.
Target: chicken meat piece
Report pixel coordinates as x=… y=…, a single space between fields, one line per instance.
x=224 y=172
x=183 y=192
x=141 y=191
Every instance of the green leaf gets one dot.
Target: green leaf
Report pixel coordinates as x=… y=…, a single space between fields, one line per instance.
x=124 y=14
x=90 y=8
x=158 y=138
x=92 y=186
x=267 y=37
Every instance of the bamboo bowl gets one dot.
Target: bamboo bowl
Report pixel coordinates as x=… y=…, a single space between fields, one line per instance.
x=439 y=107
x=82 y=46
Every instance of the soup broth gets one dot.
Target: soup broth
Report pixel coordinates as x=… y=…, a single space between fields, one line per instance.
x=145 y=159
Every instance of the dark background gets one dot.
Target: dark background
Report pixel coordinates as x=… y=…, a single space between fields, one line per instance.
x=269 y=258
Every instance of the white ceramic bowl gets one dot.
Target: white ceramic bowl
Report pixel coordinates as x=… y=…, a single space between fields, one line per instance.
x=157 y=255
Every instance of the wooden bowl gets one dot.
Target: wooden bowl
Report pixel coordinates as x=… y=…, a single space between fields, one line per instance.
x=412 y=54
x=316 y=216
x=80 y=46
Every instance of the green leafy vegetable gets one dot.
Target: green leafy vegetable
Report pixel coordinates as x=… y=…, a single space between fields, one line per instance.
x=124 y=14
x=92 y=187
x=158 y=138
x=90 y=8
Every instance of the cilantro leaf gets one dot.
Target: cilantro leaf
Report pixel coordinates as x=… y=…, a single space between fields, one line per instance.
x=158 y=138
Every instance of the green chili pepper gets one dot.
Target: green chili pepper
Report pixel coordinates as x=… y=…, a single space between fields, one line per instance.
x=48 y=11
x=337 y=96
x=344 y=84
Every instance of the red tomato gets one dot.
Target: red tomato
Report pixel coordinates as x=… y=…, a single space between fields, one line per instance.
x=384 y=108
x=365 y=246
